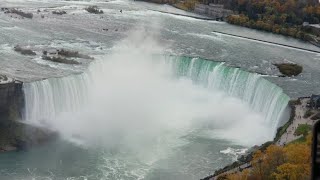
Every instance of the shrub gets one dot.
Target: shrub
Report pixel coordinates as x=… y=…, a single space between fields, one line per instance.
x=281 y=130
x=303 y=129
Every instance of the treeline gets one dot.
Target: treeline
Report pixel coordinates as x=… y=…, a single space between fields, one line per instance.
x=277 y=163
x=187 y=5
x=282 y=17
x=287 y=30
x=161 y=1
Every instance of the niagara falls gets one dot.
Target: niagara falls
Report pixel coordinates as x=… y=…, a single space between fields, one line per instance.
x=121 y=89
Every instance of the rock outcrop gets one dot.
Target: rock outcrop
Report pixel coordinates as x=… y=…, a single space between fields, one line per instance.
x=94 y=10
x=24 y=51
x=11 y=106
x=14 y=133
x=289 y=69
x=18 y=12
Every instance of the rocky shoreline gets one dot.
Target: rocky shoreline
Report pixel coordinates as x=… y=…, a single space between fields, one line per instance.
x=286 y=134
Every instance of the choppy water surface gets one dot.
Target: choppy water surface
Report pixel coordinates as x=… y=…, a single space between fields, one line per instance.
x=182 y=35
x=137 y=112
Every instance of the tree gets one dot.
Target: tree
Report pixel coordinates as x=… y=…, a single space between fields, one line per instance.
x=289 y=171
x=257 y=165
x=239 y=175
x=291 y=162
x=289 y=15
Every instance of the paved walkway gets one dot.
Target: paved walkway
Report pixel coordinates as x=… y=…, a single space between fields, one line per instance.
x=298 y=119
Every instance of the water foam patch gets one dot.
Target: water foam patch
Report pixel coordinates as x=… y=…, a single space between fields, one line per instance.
x=141 y=107
x=235 y=153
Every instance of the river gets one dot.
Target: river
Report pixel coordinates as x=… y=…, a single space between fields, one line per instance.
x=163 y=99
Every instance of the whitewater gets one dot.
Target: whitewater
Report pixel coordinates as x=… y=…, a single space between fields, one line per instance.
x=147 y=105
x=165 y=97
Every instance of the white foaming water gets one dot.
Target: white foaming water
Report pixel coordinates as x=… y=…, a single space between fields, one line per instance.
x=262 y=96
x=234 y=152
x=144 y=104
x=216 y=37
x=145 y=90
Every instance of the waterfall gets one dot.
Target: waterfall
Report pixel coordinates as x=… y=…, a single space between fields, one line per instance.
x=261 y=95
x=48 y=99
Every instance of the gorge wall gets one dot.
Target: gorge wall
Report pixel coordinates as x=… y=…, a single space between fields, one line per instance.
x=11 y=107
x=15 y=135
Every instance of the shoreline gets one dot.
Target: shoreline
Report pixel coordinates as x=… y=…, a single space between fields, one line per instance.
x=283 y=137
x=268 y=42
x=200 y=17
x=194 y=17
x=205 y=17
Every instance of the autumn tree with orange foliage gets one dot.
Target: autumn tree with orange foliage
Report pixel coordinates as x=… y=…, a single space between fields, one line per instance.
x=291 y=162
x=297 y=166
x=283 y=17
x=244 y=175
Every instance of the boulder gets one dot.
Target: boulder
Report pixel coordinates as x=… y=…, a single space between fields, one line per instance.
x=289 y=69
x=20 y=13
x=75 y=54
x=59 y=12
x=24 y=51
x=59 y=59
x=94 y=10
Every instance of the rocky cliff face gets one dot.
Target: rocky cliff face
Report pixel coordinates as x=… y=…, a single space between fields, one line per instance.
x=11 y=107
x=11 y=100
x=14 y=134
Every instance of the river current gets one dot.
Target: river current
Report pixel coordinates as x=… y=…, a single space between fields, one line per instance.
x=165 y=97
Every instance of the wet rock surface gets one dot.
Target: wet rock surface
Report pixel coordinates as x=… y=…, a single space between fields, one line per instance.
x=11 y=105
x=289 y=69
x=14 y=133
x=94 y=10
x=18 y=12
x=59 y=59
x=24 y=51
x=64 y=56
x=59 y=12
x=76 y=54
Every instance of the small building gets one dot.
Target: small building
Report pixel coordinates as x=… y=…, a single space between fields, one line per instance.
x=313 y=28
x=314 y=101
x=212 y=10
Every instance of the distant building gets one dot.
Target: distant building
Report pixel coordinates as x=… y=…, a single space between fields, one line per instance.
x=314 y=101
x=213 y=10
x=313 y=28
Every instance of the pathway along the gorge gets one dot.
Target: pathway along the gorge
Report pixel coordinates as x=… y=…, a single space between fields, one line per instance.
x=286 y=138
